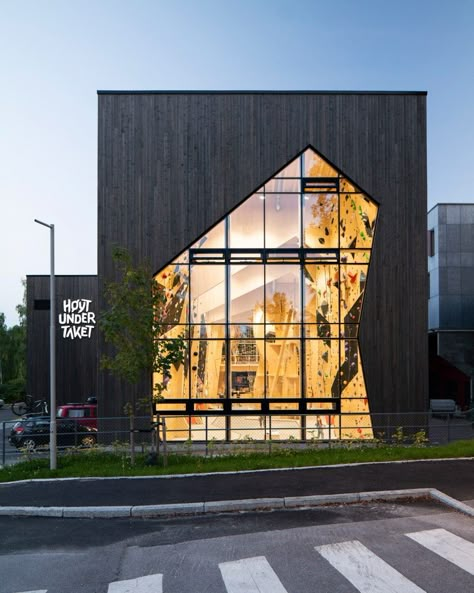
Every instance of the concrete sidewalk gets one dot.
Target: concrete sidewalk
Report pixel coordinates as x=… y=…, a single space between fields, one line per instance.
x=282 y=488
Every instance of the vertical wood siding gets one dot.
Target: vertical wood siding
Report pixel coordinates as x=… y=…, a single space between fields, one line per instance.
x=76 y=360
x=172 y=164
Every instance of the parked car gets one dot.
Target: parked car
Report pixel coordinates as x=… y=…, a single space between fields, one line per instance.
x=33 y=432
x=83 y=414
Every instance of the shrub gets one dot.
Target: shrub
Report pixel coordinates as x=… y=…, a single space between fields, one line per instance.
x=13 y=390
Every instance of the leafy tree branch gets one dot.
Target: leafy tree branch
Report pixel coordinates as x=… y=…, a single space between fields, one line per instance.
x=133 y=324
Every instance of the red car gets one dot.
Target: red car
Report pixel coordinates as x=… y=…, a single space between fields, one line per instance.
x=85 y=414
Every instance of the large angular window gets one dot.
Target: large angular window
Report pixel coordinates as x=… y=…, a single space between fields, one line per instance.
x=270 y=302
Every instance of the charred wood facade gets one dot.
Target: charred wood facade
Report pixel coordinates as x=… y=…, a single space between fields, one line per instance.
x=173 y=164
x=76 y=337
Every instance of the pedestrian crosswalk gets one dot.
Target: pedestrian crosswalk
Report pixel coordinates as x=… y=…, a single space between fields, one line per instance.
x=365 y=570
x=447 y=545
x=251 y=575
x=152 y=583
x=353 y=561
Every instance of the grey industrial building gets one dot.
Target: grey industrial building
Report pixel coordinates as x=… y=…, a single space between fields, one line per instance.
x=451 y=302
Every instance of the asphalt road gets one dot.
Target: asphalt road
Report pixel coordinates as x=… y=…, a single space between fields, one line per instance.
x=421 y=546
x=274 y=552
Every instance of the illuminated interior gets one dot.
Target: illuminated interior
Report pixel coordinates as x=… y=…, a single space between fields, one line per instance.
x=270 y=301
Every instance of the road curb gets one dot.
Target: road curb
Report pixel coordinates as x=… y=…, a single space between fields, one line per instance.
x=222 y=506
x=95 y=512
x=293 y=502
x=174 y=510
x=452 y=502
x=248 y=504
x=15 y=511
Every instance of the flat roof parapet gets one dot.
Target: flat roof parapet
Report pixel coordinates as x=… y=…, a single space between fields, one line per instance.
x=257 y=92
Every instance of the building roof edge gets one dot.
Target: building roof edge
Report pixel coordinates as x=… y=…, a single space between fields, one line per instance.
x=256 y=92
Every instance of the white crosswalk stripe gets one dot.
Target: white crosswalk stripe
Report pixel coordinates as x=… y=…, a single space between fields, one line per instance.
x=365 y=570
x=250 y=575
x=447 y=545
x=152 y=583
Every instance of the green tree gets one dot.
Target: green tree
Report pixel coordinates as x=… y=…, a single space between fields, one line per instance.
x=3 y=346
x=13 y=355
x=132 y=324
x=21 y=308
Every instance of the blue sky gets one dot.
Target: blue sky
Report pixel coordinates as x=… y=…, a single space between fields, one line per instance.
x=55 y=55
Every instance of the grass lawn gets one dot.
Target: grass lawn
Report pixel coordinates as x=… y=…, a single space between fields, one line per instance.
x=96 y=462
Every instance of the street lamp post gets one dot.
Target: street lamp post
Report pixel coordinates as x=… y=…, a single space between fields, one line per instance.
x=52 y=355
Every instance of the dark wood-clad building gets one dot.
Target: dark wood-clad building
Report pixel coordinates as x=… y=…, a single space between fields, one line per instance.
x=76 y=337
x=172 y=165
x=288 y=232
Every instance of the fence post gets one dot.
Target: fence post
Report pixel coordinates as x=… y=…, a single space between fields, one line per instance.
x=156 y=435
x=3 y=446
x=207 y=451
x=132 y=438
x=449 y=428
x=165 y=448
x=270 y=434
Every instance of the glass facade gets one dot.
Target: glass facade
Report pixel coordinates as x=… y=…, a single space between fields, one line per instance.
x=270 y=302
